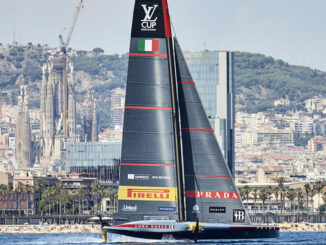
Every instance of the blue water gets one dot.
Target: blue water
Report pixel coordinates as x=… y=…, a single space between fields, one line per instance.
x=285 y=238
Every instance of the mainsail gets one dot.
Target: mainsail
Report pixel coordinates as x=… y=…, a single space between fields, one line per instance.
x=152 y=184
x=148 y=183
x=173 y=177
x=211 y=195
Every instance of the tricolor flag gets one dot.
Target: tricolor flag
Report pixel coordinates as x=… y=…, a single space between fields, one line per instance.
x=148 y=45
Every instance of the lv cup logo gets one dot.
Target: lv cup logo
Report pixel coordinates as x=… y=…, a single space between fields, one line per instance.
x=148 y=23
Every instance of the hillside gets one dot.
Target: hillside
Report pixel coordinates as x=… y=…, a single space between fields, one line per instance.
x=258 y=79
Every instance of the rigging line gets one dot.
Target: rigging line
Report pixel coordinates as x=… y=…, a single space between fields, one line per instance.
x=175 y=34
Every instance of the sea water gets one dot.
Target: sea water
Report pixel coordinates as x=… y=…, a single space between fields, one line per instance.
x=285 y=238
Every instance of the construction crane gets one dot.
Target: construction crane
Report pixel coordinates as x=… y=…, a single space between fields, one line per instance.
x=64 y=47
x=64 y=44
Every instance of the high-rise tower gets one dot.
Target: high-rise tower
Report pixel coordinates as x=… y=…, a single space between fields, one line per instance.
x=213 y=74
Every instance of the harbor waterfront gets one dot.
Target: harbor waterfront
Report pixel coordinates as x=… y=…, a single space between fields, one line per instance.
x=285 y=238
x=94 y=228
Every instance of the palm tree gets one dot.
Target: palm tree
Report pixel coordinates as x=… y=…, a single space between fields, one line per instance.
x=64 y=194
x=9 y=196
x=59 y=188
x=300 y=197
x=246 y=189
x=3 y=192
x=74 y=196
x=263 y=196
x=110 y=193
x=96 y=189
x=38 y=190
x=81 y=196
x=291 y=195
x=280 y=182
x=307 y=189
x=269 y=192
x=241 y=192
x=283 y=194
x=318 y=186
x=29 y=190
x=19 y=190
x=276 y=192
x=255 y=195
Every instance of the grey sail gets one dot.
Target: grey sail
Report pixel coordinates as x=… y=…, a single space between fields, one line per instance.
x=148 y=167
x=210 y=193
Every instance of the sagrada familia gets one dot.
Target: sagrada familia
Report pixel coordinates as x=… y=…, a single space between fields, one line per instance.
x=57 y=118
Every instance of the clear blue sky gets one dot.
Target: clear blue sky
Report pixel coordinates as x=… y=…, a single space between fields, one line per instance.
x=292 y=30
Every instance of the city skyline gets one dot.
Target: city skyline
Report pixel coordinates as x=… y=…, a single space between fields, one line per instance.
x=276 y=29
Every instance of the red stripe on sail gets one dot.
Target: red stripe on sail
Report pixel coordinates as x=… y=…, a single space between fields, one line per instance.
x=148 y=164
x=149 y=55
x=208 y=176
x=166 y=16
x=182 y=82
x=213 y=195
x=198 y=129
x=148 y=108
x=155 y=45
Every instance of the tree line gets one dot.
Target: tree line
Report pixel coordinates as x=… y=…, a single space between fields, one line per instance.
x=56 y=199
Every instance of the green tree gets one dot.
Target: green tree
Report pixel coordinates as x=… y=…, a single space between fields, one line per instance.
x=246 y=189
x=96 y=190
x=98 y=51
x=29 y=191
x=13 y=52
x=263 y=197
x=32 y=71
x=19 y=190
x=307 y=189
x=254 y=192
x=81 y=196
x=300 y=197
x=3 y=193
x=291 y=195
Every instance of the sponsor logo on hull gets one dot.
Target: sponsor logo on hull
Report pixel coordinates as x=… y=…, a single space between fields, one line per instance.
x=167 y=209
x=147 y=177
x=213 y=194
x=239 y=216
x=195 y=209
x=161 y=177
x=144 y=193
x=146 y=226
x=217 y=209
x=129 y=208
x=138 y=176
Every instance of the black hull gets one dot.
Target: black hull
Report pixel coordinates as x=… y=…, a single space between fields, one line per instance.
x=213 y=235
x=185 y=230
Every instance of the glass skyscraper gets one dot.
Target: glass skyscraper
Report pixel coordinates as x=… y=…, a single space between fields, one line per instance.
x=212 y=72
x=97 y=159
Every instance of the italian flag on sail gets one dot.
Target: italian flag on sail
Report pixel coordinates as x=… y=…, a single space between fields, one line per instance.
x=148 y=45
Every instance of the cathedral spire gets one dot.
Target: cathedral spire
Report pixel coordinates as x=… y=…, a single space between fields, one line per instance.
x=23 y=143
x=94 y=124
x=43 y=97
